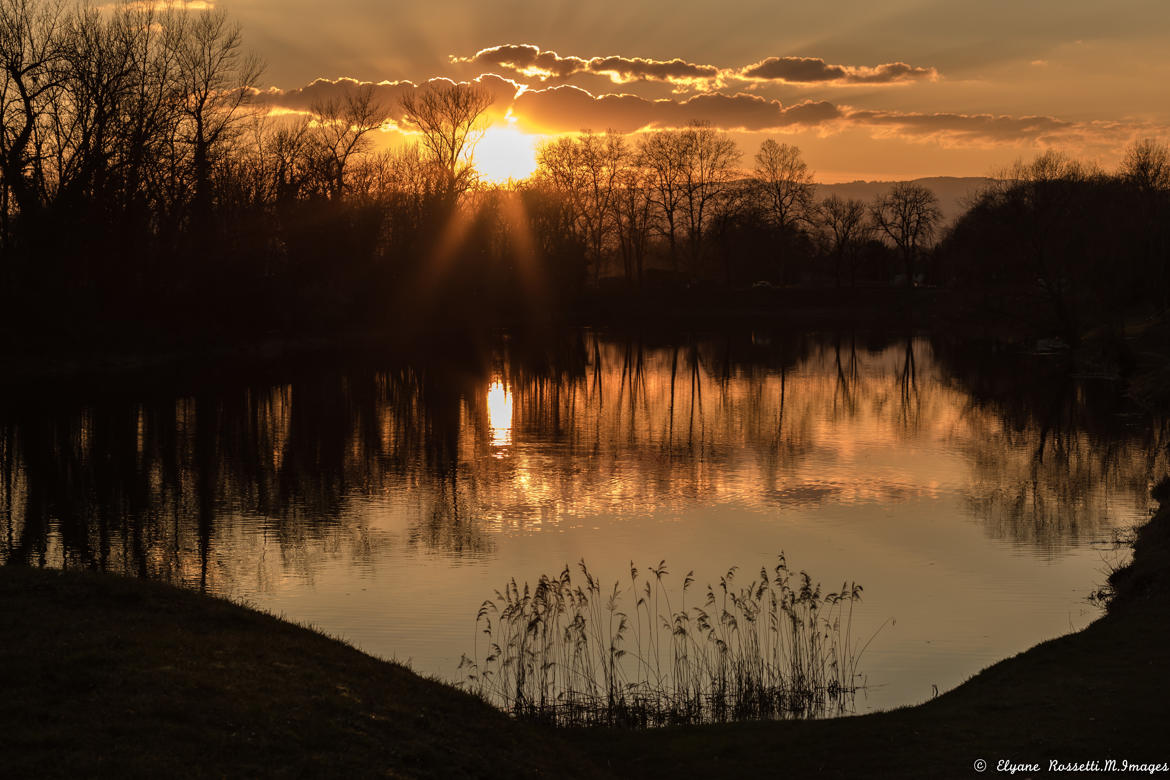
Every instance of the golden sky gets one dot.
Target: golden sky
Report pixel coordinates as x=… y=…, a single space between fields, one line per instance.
x=897 y=89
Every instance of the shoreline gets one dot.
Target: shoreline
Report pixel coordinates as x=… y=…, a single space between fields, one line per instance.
x=96 y=666
x=129 y=355
x=1098 y=694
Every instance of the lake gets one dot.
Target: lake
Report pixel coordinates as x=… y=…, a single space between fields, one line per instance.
x=977 y=494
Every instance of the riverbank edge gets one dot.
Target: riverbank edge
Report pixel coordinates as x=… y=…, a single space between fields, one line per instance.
x=107 y=675
x=1098 y=694
x=146 y=354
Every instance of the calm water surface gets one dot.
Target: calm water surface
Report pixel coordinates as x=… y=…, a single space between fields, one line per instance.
x=975 y=495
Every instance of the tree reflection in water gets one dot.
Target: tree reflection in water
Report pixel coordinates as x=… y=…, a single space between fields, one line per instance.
x=212 y=485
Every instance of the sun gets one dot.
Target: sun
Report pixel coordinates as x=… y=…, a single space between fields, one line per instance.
x=505 y=153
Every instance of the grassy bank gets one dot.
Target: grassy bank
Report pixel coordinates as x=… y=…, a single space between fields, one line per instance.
x=115 y=677
x=110 y=676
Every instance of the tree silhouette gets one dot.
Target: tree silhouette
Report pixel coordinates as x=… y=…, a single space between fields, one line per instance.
x=709 y=158
x=1147 y=166
x=448 y=116
x=907 y=215
x=1078 y=248
x=342 y=131
x=785 y=187
x=585 y=171
x=846 y=227
x=664 y=153
x=32 y=55
x=216 y=75
x=636 y=217
x=1040 y=200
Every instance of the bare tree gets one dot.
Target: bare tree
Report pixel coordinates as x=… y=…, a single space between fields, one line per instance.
x=785 y=187
x=663 y=153
x=216 y=75
x=907 y=215
x=286 y=159
x=785 y=183
x=1041 y=197
x=342 y=131
x=585 y=171
x=416 y=183
x=635 y=216
x=1147 y=166
x=32 y=61
x=845 y=226
x=149 y=172
x=448 y=116
x=709 y=160
x=735 y=221
x=89 y=120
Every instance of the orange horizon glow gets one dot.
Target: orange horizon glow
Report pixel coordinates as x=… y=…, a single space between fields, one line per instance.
x=967 y=90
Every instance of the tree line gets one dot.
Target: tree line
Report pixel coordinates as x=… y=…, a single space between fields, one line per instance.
x=141 y=183
x=1063 y=245
x=681 y=201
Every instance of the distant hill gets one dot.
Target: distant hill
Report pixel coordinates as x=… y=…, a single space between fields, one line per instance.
x=954 y=192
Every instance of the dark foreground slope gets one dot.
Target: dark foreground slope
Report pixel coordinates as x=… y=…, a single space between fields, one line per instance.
x=108 y=676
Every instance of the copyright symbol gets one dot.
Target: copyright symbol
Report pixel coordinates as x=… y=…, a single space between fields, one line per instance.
x=980 y=765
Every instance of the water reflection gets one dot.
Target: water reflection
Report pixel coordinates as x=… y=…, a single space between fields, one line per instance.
x=1052 y=456
x=280 y=486
x=499 y=406
x=177 y=488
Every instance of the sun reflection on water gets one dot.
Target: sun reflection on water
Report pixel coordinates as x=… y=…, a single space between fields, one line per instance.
x=499 y=405
x=969 y=515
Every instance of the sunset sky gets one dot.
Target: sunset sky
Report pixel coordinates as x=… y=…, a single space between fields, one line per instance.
x=897 y=89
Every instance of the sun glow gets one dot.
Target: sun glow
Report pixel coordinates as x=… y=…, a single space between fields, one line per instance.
x=499 y=406
x=505 y=153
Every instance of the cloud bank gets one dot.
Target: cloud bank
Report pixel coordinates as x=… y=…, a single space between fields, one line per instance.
x=533 y=62
x=387 y=94
x=566 y=109
x=814 y=70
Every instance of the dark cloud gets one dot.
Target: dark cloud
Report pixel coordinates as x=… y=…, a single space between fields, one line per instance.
x=633 y=68
x=534 y=62
x=387 y=93
x=798 y=69
x=965 y=127
x=567 y=108
x=814 y=70
x=527 y=59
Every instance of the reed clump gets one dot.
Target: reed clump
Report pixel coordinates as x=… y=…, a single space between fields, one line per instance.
x=571 y=653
